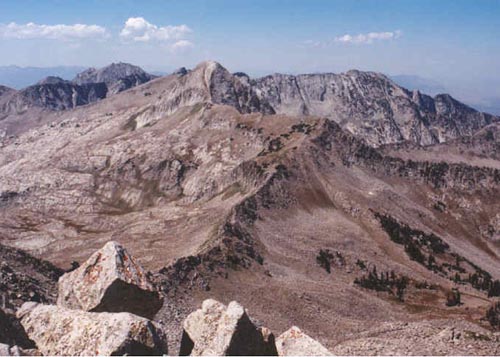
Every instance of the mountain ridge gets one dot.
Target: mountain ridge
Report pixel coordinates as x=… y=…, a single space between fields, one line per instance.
x=367 y=103
x=296 y=216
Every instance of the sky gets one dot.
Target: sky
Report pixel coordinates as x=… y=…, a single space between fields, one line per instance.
x=453 y=42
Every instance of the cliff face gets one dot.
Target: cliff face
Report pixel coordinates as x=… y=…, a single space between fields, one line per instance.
x=54 y=95
x=372 y=106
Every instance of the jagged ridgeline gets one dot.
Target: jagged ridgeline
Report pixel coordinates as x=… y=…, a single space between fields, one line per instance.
x=342 y=203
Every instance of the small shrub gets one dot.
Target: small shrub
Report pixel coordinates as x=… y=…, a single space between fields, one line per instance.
x=493 y=315
x=361 y=264
x=494 y=289
x=324 y=259
x=453 y=298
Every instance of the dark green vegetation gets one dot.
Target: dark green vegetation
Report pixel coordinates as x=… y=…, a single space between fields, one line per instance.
x=385 y=281
x=432 y=252
x=453 y=298
x=493 y=315
x=325 y=259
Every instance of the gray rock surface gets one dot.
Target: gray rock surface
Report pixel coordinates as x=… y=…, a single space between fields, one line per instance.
x=110 y=280
x=294 y=342
x=51 y=94
x=117 y=77
x=224 y=331
x=60 y=331
x=372 y=106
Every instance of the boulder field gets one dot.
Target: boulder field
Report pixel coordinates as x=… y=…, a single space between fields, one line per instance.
x=106 y=307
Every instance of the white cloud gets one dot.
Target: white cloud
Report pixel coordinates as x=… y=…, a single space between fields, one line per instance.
x=138 y=29
x=369 y=38
x=181 y=45
x=53 y=32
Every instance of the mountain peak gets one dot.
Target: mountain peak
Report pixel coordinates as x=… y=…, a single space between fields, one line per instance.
x=209 y=64
x=117 y=76
x=51 y=80
x=110 y=73
x=4 y=89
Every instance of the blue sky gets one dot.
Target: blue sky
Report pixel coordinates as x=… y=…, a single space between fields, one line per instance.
x=455 y=42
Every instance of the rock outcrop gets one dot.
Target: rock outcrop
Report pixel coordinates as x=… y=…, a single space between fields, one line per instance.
x=294 y=342
x=211 y=83
x=60 y=331
x=110 y=280
x=224 y=331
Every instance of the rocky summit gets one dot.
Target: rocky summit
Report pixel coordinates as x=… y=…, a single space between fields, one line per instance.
x=110 y=280
x=363 y=213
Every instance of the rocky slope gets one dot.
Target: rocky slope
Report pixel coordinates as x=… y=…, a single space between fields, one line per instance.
x=4 y=90
x=25 y=278
x=372 y=106
x=300 y=219
x=54 y=94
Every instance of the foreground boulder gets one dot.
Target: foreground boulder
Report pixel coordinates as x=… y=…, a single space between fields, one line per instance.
x=110 y=281
x=224 y=331
x=294 y=342
x=60 y=331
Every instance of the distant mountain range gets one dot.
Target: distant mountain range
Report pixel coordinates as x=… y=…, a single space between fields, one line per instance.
x=347 y=98
x=20 y=77
x=424 y=85
x=429 y=86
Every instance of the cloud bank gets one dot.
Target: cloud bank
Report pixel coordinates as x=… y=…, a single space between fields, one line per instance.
x=53 y=32
x=134 y=30
x=369 y=38
x=139 y=30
